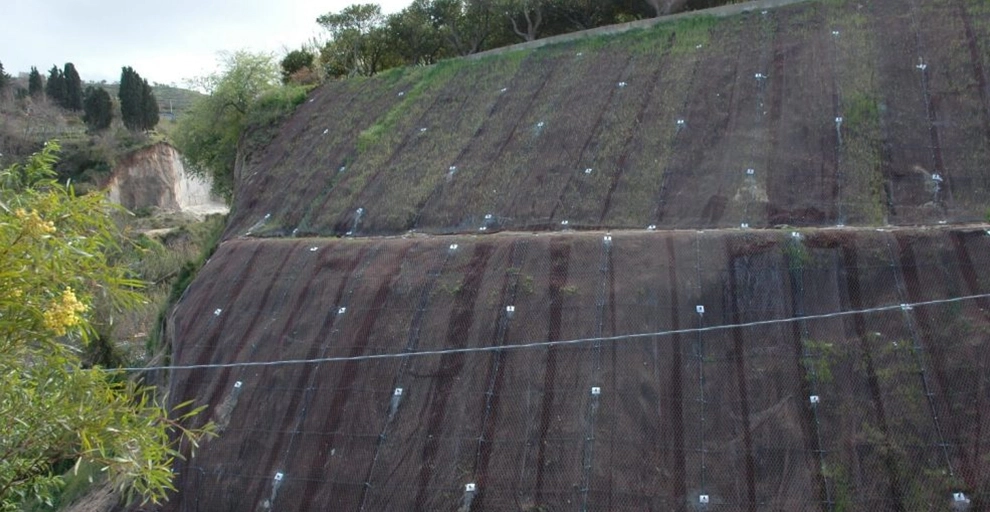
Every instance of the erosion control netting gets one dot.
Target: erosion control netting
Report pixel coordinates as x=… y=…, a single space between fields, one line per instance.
x=815 y=114
x=625 y=371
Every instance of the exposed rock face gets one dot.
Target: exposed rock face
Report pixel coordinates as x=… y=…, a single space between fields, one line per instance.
x=155 y=177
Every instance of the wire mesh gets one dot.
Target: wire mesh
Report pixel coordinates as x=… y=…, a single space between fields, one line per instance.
x=765 y=400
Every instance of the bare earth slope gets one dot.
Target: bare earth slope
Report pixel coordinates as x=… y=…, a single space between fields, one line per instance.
x=554 y=295
x=820 y=113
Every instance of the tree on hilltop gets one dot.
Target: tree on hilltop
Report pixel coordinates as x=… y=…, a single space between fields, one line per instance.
x=4 y=78
x=138 y=106
x=97 y=108
x=149 y=107
x=359 y=41
x=55 y=87
x=73 y=88
x=35 y=85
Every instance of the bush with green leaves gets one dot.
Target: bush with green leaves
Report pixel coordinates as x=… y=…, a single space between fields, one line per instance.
x=56 y=253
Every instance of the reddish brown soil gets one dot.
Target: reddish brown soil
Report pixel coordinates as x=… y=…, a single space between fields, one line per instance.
x=721 y=412
x=766 y=401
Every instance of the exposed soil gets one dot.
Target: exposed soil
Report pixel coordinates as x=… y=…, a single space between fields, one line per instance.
x=529 y=335
x=656 y=127
x=721 y=412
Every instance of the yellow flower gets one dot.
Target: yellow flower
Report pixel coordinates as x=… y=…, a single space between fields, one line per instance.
x=63 y=313
x=34 y=225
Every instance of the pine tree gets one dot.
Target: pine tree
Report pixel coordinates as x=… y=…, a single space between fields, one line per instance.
x=35 y=85
x=73 y=88
x=149 y=107
x=55 y=88
x=97 y=108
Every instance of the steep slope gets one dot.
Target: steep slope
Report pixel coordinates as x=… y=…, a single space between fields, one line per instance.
x=659 y=350
x=528 y=326
x=876 y=112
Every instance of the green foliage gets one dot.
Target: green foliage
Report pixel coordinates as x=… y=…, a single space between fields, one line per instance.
x=421 y=32
x=149 y=107
x=98 y=109
x=365 y=42
x=35 y=85
x=797 y=255
x=202 y=240
x=138 y=106
x=4 y=78
x=56 y=250
x=818 y=359
x=434 y=76
x=275 y=104
x=360 y=43
x=295 y=61
x=209 y=132
x=130 y=97
x=862 y=111
x=73 y=88
x=55 y=89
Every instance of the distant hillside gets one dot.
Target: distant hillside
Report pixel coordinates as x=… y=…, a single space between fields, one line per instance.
x=26 y=124
x=171 y=99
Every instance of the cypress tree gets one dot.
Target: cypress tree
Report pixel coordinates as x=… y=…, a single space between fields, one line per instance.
x=97 y=108
x=73 y=88
x=55 y=88
x=149 y=107
x=131 y=98
x=4 y=78
x=35 y=85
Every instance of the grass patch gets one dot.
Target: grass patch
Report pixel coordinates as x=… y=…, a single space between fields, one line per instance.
x=277 y=104
x=437 y=74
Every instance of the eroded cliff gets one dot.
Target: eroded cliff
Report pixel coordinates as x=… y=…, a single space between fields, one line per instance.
x=154 y=177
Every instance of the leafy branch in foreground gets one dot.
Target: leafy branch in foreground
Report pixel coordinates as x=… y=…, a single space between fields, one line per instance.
x=55 y=253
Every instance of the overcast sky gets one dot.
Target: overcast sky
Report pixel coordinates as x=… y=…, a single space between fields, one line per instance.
x=165 y=41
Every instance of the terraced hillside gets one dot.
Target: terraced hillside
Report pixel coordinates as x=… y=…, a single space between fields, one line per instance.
x=877 y=111
x=721 y=264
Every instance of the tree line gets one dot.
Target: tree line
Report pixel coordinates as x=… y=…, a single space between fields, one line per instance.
x=364 y=41
x=63 y=87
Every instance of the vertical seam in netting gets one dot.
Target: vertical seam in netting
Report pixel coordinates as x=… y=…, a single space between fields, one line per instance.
x=917 y=350
x=484 y=445
x=601 y=300
x=594 y=134
x=394 y=264
x=331 y=321
x=850 y=271
x=935 y=151
x=656 y=216
x=840 y=175
x=808 y=363
x=412 y=342
x=700 y=356
x=768 y=37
